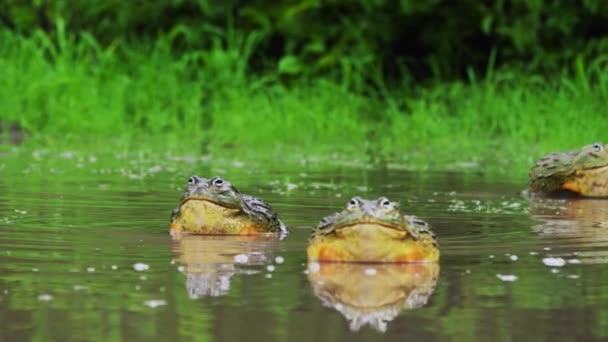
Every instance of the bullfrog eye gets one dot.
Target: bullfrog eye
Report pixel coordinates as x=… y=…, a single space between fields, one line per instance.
x=597 y=147
x=385 y=202
x=192 y=180
x=354 y=202
x=218 y=181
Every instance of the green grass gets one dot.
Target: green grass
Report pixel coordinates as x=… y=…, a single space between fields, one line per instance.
x=70 y=91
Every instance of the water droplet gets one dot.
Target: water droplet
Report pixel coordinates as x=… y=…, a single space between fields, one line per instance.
x=140 y=266
x=314 y=267
x=154 y=303
x=241 y=258
x=554 y=262
x=45 y=297
x=506 y=277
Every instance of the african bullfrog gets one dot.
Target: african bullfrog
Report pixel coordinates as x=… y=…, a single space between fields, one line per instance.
x=372 y=231
x=215 y=206
x=583 y=172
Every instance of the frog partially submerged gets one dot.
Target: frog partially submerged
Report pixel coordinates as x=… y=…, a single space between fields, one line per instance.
x=215 y=206
x=372 y=231
x=582 y=172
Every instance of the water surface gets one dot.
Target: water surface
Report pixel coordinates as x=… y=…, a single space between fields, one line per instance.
x=85 y=255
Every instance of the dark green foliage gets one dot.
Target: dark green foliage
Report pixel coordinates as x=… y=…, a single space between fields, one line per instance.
x=372 y=39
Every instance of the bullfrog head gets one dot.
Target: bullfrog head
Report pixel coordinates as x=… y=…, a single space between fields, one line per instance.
x=215 y=206
x=582 y=172
x=372 y=231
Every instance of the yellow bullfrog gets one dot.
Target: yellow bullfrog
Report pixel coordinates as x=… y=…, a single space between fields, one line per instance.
x=583 y=172
x=215 y=206
x=372 y=231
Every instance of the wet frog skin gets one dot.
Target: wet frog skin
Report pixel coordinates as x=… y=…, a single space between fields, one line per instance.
x=582 y=172
x=372 y=231
x=215 y=206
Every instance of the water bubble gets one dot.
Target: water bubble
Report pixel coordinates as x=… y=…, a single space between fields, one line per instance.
x=506 y=277
x=154 y=303
x=45 y=297
x=513 y=257
x=91 y=269
x=140 y=266
x=241 y=258
x=268 y=276
x=114 y=267
x=370 y=271
x=270 y=268
x=572 y=276
x=79 y=287
x=554 y=262
x=291 y=186
x=181 y=268
x=574 y=261
x=279 y=260
x=314 y=267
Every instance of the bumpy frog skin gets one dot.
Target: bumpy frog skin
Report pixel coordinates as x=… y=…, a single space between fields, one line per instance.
x=583 y=172
x=372 y=231
x=215 y=206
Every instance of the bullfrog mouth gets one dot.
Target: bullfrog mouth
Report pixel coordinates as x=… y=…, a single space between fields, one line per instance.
x=199 y=198
x=370 y=228
x=595 y=169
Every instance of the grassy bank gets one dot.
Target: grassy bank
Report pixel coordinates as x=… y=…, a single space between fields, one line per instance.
x=71 y=91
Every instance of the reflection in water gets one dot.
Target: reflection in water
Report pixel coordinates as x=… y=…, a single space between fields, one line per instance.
x=372 y=294
x=583 y=222
x=209 y=262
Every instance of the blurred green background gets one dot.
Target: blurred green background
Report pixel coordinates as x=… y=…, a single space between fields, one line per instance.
x=396 y=77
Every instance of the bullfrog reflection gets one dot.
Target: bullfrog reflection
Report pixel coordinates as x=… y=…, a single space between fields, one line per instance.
x=372 y=294
x=209 y=262
x=579 y=222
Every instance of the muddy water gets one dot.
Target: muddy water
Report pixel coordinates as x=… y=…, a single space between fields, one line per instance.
x=85 y=255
